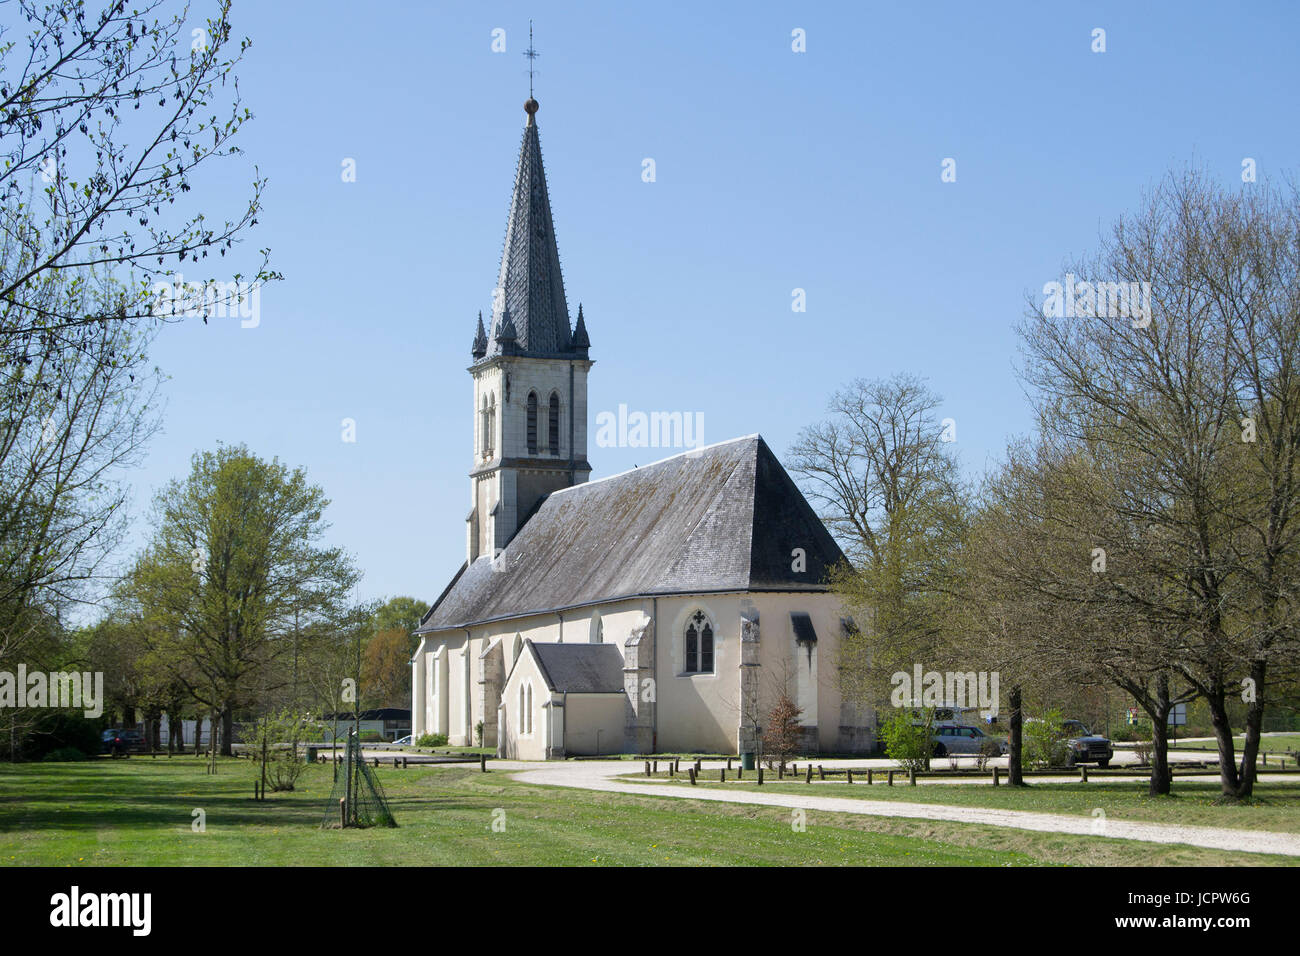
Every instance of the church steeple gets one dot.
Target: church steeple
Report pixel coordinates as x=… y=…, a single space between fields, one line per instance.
x=529 y=370
x=530 y=285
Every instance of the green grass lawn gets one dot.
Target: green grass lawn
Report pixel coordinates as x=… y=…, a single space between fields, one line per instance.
x=1285 y=743
x=1276 y=806
x=138 y=812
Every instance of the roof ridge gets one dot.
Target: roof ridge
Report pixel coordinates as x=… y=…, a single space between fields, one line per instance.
x=661 y=461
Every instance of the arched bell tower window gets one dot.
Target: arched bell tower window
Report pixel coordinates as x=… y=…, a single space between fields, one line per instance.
x=489 y=437
x=553 y=425
x=532 y=423
x=699 y=644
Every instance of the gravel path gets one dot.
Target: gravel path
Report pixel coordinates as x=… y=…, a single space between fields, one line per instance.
x=600 y=775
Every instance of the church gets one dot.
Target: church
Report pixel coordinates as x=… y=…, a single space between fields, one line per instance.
x=660 y=610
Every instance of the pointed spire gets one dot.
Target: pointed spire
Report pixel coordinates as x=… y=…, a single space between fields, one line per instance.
x=506 y=336
x=480 y=339
x=580 y=341
x=530 y=283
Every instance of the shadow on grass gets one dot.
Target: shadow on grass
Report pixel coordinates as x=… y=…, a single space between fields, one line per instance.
x=98 y=794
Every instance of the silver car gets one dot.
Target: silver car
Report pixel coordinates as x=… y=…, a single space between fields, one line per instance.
x=957 y=739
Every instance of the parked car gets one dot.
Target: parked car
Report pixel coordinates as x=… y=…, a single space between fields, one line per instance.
x=407 y=741
x=959 y=739
x=1083 y=746
x=117 y=741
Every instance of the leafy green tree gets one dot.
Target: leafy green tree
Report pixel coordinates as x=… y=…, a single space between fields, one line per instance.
x=400 y=614
x=235 y=566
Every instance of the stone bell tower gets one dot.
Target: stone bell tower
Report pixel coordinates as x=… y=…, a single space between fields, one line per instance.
x=529 y=370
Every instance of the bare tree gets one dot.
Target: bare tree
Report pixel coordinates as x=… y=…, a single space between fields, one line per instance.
x=881 y=473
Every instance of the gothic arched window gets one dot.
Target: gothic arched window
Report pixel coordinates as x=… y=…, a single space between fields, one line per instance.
x=483 y=427
x=532 y=423
x=699 y=644
x=553 y=423
x=489 y=439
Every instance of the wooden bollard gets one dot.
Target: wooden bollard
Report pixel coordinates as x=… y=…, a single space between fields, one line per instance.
x=691 y=771
x=821 y=773
x=654 y=766
x=697 y=767
x=760 y=776
x=780 y=772
x=891 y=778
x=794 y=770
x=740 y=772
x=850 y=773
x=482 y=763
x=647 y=768
x=728 y=763
x=397 y=763
x=722 y=776
x=808 y=779
x=911 y=776
x=870 y=781
x=404 y=763
x=670 y=768
x=996 y=773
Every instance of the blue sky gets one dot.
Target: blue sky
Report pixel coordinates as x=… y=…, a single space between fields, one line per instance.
x=775 y=170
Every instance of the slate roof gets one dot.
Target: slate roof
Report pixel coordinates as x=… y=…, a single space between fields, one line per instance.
x=723 y=518
x=531 y=317
x=580 y=668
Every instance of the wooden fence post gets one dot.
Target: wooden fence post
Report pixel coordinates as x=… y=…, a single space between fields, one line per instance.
x=870 y=777
x=691 y=771
x=722 y=775
x=821 y=773
x=891 y=778
x=850 y=773
x=996 y=772
x=808 y=779
x=647 y=768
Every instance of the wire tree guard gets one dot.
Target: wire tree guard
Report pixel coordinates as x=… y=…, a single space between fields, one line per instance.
x=357 y=799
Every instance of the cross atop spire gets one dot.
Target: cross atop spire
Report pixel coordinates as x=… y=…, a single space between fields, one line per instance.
x=532 y=55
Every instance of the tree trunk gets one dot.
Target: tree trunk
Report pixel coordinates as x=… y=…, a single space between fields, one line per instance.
x=227 y=730
x=1223 y=737
x=1015 y=742
x=1160 y=776
x=1254 y=724
x=198 y=733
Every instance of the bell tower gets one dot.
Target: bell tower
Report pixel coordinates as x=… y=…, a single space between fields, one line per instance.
x=529 y=370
